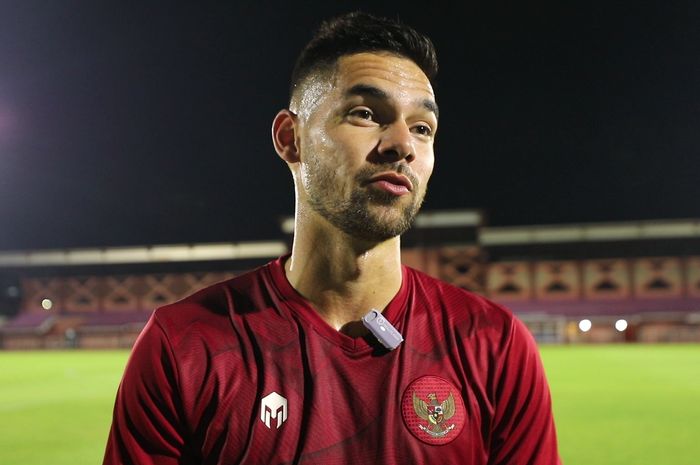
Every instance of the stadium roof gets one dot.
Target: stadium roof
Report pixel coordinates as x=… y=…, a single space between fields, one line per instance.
x=487 y=236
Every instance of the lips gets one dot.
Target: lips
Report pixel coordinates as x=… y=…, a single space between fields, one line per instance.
x=395 y=179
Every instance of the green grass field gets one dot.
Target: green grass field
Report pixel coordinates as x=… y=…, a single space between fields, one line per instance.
x=631 y=405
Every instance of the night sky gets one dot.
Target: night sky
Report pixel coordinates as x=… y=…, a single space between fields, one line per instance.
x=149 y=123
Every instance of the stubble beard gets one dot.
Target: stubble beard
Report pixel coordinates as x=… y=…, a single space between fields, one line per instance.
x=369 y=214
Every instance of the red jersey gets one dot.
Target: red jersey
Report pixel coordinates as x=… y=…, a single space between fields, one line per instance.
x=246 y=372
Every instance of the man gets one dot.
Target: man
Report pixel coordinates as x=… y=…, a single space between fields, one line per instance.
x=275 y=366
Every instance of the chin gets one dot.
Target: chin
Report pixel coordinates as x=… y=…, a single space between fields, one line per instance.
x=386 y=225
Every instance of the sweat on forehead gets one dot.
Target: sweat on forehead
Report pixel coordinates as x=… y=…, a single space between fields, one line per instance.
x=307 y=91
x=358 y=70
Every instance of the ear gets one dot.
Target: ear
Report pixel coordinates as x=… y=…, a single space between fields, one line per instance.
x=284 y=128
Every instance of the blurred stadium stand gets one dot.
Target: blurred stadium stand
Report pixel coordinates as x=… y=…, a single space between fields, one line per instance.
x=10 y=294
x=551 y=276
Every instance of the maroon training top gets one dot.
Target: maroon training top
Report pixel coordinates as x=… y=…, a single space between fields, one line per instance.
x=246 y=372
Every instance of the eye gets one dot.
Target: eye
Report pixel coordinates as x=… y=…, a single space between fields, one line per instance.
x=362 y=113
x=423 y=130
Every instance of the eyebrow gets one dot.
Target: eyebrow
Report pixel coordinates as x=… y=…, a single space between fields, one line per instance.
x=365 y=90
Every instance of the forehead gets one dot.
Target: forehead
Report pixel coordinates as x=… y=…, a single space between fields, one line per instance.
x=394 y=74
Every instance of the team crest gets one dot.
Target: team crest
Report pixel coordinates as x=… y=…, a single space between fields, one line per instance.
x=435 y=414
x=433 y=410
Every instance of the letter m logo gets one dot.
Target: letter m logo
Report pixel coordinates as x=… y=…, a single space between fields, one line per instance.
x=274 y=406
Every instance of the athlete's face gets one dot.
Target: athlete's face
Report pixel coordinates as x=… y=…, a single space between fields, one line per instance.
x=366 y=144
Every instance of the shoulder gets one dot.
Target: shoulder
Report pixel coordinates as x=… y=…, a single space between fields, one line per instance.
x=471 y=318
x=207 y=313
x=456 y=301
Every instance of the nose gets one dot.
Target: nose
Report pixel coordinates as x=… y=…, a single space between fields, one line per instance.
x=396 y=143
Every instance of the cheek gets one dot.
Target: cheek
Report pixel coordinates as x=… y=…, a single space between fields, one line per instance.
x=314 y=150
x=335 y=150
x=430 y=165
x=426 y=167
x=322 y=168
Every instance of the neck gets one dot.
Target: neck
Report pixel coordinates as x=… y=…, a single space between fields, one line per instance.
x=342 y=277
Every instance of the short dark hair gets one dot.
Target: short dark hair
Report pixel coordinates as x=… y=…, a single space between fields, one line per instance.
x=358 y=32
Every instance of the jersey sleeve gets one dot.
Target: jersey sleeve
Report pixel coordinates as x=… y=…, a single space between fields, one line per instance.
x=523 y=431
x=147 y=423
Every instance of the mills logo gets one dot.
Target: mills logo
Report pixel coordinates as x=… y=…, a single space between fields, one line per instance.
x=273 y=407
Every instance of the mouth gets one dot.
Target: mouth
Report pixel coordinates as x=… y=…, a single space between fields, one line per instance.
x=393 y=183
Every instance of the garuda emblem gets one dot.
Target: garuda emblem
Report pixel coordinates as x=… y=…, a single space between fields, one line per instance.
x=435 y=413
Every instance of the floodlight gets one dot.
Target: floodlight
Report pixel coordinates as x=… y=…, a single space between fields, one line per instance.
x=621 y=325
x=585 y=325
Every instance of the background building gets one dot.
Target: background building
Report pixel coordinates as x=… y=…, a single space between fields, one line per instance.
x=602 y=282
